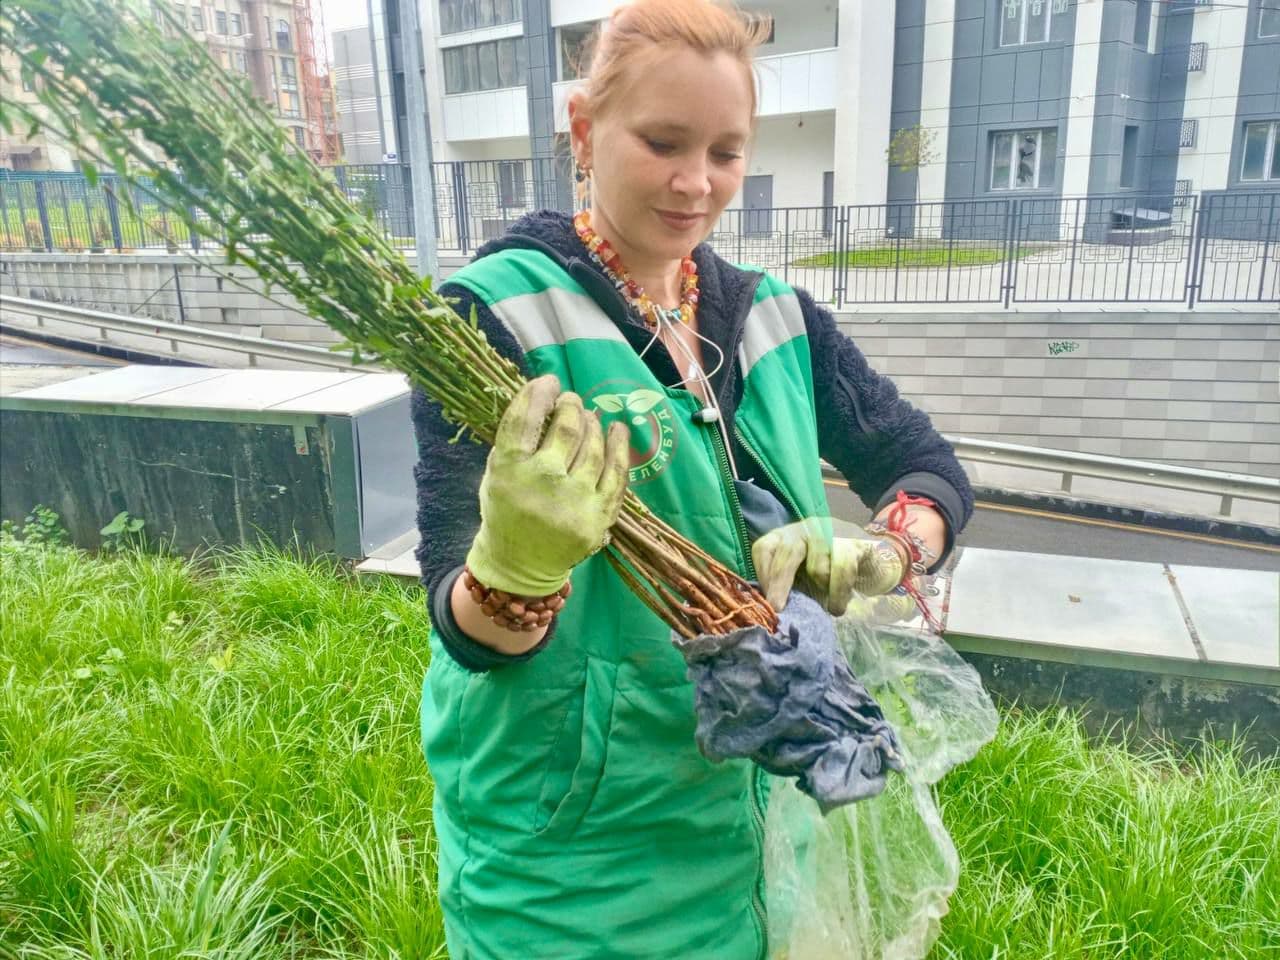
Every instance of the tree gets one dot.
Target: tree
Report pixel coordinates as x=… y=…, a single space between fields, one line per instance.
x=911 y=148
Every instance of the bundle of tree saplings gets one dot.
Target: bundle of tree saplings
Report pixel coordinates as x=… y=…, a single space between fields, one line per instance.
x=131 y=91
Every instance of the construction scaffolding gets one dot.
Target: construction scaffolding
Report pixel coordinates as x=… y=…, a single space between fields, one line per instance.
x=318 y=107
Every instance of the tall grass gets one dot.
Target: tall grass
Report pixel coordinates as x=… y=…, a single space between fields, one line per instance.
x=222 y=760
x=210 y=763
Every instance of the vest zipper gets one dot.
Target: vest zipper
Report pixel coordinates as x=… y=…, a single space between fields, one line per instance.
x=744 y=536
x=757 y=807
x=757 y=892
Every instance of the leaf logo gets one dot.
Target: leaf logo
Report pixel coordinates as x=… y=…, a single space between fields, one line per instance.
x=637 y=402
x=649 y=418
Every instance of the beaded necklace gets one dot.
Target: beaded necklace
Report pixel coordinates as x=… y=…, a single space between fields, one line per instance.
x=600 y=251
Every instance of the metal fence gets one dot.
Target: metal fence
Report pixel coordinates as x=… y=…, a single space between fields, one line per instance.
x=1126 y=248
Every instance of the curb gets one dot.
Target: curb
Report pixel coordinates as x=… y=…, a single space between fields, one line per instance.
x=1133 y=516
x=97 y=349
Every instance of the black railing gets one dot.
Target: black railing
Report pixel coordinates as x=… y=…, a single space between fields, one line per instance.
x=1126 y=248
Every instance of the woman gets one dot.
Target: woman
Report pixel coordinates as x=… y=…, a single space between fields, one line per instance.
x=575 y=816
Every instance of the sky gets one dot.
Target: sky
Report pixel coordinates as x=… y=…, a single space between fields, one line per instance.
x=341 y=14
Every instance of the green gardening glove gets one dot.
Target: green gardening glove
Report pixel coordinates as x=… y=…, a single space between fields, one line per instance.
x=834 y=568
x=547 y=500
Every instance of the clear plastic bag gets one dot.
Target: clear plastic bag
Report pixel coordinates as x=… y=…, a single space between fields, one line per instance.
x=871 y=880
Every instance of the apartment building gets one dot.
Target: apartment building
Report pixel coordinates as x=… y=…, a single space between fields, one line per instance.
x=268 y=41
x=19 y=150
x=1035 y=98
x=355 y=90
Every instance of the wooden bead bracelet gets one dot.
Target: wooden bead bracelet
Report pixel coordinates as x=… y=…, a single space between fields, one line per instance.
x=512 y=611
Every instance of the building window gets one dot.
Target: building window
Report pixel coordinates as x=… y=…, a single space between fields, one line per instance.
x=511 y=190
x=1181 y=193
x=300 y=137
x=1269 y=18
x=1187 y=132
x=1197 y=54
x=220 y=21
x=283 y=41
x=1261 y=160
x=242 y=65
x=1025 y=21
x=485 y=66
x=237 y=25
x=288 y=73
x=459 y=15
x=573 y=50
x=197 y=18
x=1023 y=159
x=512 y=68
x=289 y=104
x=1129 y=156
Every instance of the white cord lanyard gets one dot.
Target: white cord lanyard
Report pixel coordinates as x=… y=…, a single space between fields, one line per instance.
x=694 y=372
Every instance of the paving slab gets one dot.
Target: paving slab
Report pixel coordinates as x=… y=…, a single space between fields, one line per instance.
x=249 y=390
x=129 y=384
x=1109 y=606
x=395 y=559
x=15 y=380
x=361 y=392
x=1236 y=613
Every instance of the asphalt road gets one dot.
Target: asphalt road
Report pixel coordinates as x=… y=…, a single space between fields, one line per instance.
x=1032 y=531
x=17 y=352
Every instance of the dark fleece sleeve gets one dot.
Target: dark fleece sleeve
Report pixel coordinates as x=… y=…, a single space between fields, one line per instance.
x=448 y=480
x=880 y=442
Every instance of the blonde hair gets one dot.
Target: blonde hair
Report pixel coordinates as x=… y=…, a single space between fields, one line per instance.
x=637 y=34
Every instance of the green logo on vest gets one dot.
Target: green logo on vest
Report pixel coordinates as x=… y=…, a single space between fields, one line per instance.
x=647 y=415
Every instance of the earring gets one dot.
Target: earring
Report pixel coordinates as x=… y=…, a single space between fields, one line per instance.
x=582 y=188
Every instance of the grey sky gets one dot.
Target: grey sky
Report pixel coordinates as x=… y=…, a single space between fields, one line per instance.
x=341 y=14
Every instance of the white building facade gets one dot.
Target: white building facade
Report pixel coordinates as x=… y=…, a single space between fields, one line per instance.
x=1036 y=98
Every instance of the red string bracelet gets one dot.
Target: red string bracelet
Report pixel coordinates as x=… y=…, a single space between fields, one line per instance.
x=898 y=526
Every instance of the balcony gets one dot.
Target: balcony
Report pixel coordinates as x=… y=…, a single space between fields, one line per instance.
x=803 y=82
x=487 y=115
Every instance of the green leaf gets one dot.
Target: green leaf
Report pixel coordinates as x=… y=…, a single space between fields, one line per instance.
x=116 y=526
x=609 y=402
x=642 y=401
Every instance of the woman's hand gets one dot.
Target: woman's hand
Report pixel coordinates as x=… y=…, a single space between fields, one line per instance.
x=835 y=569
x=548 y=498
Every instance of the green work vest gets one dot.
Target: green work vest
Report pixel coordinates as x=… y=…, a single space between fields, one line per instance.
x=575 y=816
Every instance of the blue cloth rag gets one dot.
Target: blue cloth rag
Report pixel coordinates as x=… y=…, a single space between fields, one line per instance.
x=789 y=701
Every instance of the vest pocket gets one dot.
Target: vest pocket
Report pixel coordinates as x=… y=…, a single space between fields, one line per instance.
x=576 y=762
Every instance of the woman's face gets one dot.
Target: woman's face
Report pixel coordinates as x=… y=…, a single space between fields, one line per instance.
x=669 y=155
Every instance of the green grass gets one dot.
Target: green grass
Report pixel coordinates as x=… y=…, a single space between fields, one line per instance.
x=915 y=253
x=223 y=760
x=75 y=229
x=221 y=764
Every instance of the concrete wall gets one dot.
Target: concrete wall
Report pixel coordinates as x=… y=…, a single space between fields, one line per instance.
x=1198 y=389
x=798 y=25
x=1004 y=88
x=794 y=150
x=1192 y=389
x=145 y=286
